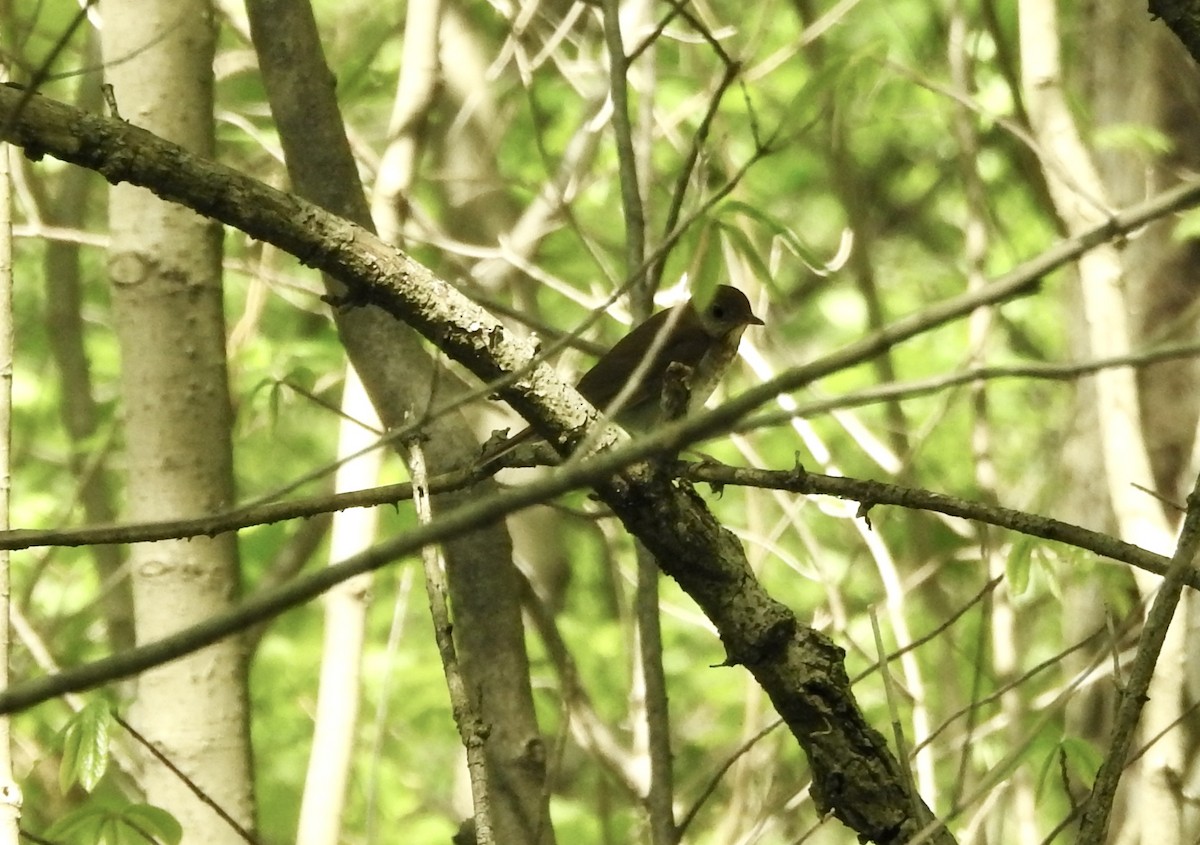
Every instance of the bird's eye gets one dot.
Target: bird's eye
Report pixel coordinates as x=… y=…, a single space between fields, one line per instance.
x=718 y=312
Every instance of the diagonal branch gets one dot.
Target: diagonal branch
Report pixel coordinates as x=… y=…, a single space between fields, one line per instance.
x=1098 y=808
x=854 y=774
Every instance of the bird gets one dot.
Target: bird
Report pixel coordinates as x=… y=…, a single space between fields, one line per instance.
x=702 y=337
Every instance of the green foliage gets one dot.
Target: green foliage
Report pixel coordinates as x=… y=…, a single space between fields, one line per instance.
x=1074 y=759
x=1188 y=226
x=106 y=816
x=851 y=178
x=85 y=747
x=1137 y=137
x=131 y=824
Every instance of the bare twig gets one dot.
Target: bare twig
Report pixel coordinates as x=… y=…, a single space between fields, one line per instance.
x=1182 y=570
x=631 y=200
x=874 y=493
x=192 y=786
x=470 y=725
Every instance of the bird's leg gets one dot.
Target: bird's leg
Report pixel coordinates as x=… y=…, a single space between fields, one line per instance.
x=676 y=391
x=675 y=399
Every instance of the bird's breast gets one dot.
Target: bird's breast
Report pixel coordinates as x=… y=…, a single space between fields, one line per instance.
x=712 y=367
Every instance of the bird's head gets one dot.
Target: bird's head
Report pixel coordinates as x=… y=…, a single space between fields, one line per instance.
x=728 y=311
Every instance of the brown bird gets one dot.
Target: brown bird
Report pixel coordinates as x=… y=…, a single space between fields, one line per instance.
x=704 y=340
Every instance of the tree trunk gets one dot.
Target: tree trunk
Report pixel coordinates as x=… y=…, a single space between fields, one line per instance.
x=168 y=310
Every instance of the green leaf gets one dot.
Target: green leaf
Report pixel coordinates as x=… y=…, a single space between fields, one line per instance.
x=125 y=824
x=1072 y=758
x=85 y=747
x=1135 y=137
x=780 y=230
x=83 y=824
x=708 y=270
x=1083 y=759
x=1187 y=227
x=741 y=243
x=1018 y=566
x=154 y=822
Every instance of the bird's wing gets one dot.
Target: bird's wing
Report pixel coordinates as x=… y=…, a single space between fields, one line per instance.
x=687 y=344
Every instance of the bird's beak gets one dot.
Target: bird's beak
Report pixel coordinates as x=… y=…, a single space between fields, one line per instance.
x=754 y=321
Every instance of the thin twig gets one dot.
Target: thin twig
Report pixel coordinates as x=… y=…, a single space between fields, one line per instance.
x=1094 y=827
x=631 y=199
x=466 y=715
x=874 y=493
x=1067 y=371
x=902 y=750
x=202 y=796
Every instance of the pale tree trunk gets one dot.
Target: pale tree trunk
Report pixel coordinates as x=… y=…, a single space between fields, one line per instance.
x=1082 y=201
x=10 y=791
x=340 y=692
x=168 y=313
x=1152 y=81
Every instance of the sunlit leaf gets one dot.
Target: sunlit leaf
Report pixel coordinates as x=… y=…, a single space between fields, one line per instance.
x=86 y=747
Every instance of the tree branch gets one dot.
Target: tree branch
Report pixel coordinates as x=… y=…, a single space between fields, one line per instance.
x=854 y=774
x=1183 y=18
